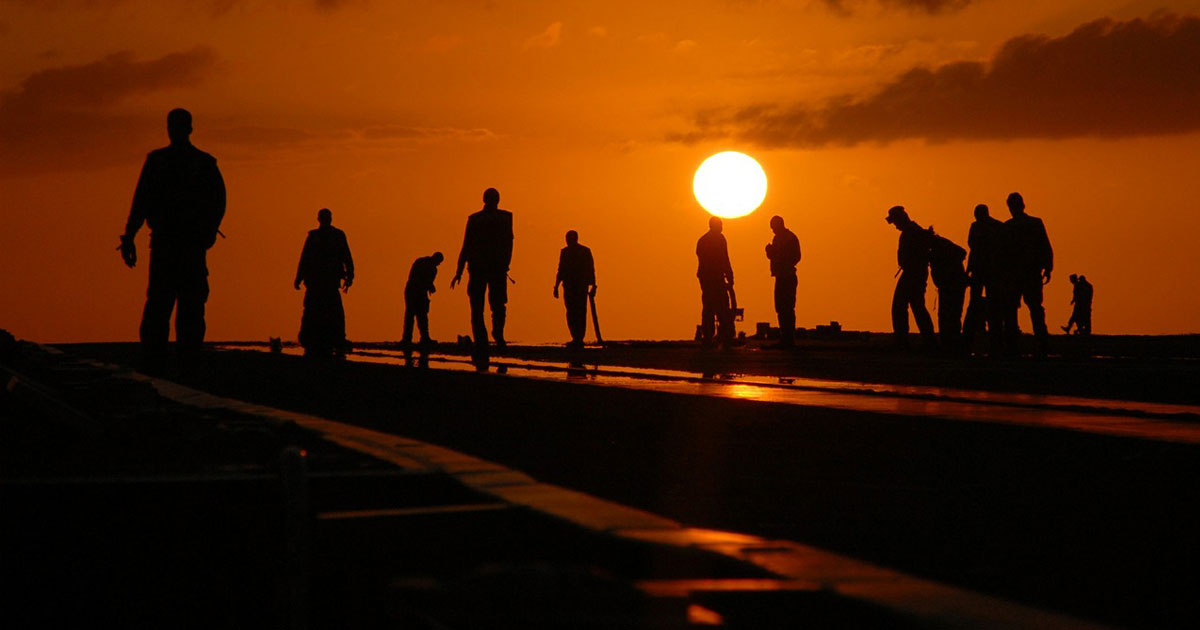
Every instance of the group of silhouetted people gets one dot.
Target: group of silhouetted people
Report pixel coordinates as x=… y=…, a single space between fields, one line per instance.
x=1009 y=263
x=180 y=195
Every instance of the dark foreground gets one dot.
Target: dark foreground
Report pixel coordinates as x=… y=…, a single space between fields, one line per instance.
x=1099 y=527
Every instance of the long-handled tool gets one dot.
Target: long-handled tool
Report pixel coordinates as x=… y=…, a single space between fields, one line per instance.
x=595 y=317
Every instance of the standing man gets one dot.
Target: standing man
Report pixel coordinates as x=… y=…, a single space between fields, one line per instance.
x=487 y=252
x=577 y=275
x=784 y=254
x=1081 y=299
x=1029 y=261
x=983 y=277
x=416 y=297
x=716 y=279
x=913 y=256
x=181 y=196
x=946 y=268
x=325 y=266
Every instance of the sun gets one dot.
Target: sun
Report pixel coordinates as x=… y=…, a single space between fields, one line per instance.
x=730 y=184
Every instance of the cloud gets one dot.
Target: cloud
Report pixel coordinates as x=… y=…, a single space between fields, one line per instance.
x=1106 y=79
x=60 y=117
x=548 y=38
x=930 y=7
x=425 y=134
x=684 y=46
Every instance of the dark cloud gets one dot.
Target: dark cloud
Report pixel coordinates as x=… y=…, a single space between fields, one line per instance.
x=917 y=6
x=65 y=117
x=1106 y=79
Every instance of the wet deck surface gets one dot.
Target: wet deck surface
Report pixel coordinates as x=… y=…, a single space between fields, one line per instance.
x=1094 y=523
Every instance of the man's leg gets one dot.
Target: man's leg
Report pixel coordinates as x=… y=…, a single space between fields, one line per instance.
x=709 y=307
x=1032 y=293
x=900 y=314
x=916 y=300
x=950 y=304
x=575 y=299
x=785 y=307
x=497 y=300
x=410 y=314
x=476 y=287
x=193 y=294
x=422 y=316
x=974 y=320
x=155 y=329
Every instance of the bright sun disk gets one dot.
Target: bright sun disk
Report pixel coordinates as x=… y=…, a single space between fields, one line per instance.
x=730 y=184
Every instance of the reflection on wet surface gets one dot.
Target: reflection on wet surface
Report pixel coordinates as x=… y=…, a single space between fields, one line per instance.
x=1167 y=422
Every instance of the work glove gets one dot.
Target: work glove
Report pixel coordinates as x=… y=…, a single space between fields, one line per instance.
x=128 y=250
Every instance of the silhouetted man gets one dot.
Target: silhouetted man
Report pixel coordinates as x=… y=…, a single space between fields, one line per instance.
x=946 y=268
x=983 y=272
x=486 y=253
x=716 y=278
x=416 y=297
x=181 y=196
x=913 y=256
x=1081 y=298
x=784 y=254
x=325 y=267
x=1028 y=263
x=577 y=275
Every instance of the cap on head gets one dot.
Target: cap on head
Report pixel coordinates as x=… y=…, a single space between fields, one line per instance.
x=179 y=124
x=981 y=211
x=715 y=223
x=438 y=257
x=572 y=237
x=1015 y=201
x=776 y=222
x=324 y=216
x=896 y=213
x=491 y=197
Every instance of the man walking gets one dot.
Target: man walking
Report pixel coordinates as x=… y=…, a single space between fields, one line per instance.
x=716 y=279
x=1028 y=264
x=577 y=275
x=181 y=196
x=486 y=253
x=1081 y=299
x=325 y=267
x=912 y=254
x=784 y=253
x=983 y=271
x=416 y=297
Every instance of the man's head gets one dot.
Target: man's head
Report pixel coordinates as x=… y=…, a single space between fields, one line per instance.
x=715 y=224
x=572 y=237
x=776 y=224
x=179 y=125
x=898 y=217
x=491 y=197
x=437 y=258
x=981 y=211
x=1016 y=204
x=1074 y=278
x=324 y=216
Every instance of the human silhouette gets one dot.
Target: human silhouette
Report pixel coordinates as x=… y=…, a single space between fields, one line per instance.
x=983 y=272
x=325 y=267
x=577 y=275
x=416 y=297
x=1028 y=261
x=716 y=279
x=912 y=254
x=1081 y=299
x=486 y=253
x=946 y=268
x=784 y=253
x=180 y=195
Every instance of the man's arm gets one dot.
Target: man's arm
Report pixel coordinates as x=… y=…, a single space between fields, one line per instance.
x=462 y=255
x=725 y=261
x=300 y=267
x=216 y=186
x=1047 y=254
x=558 y=276
x=142 y=199
x=347 y=261
x=508 y=243
x=590 y=269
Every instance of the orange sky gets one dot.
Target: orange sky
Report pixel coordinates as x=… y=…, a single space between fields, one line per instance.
x=593 y=116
